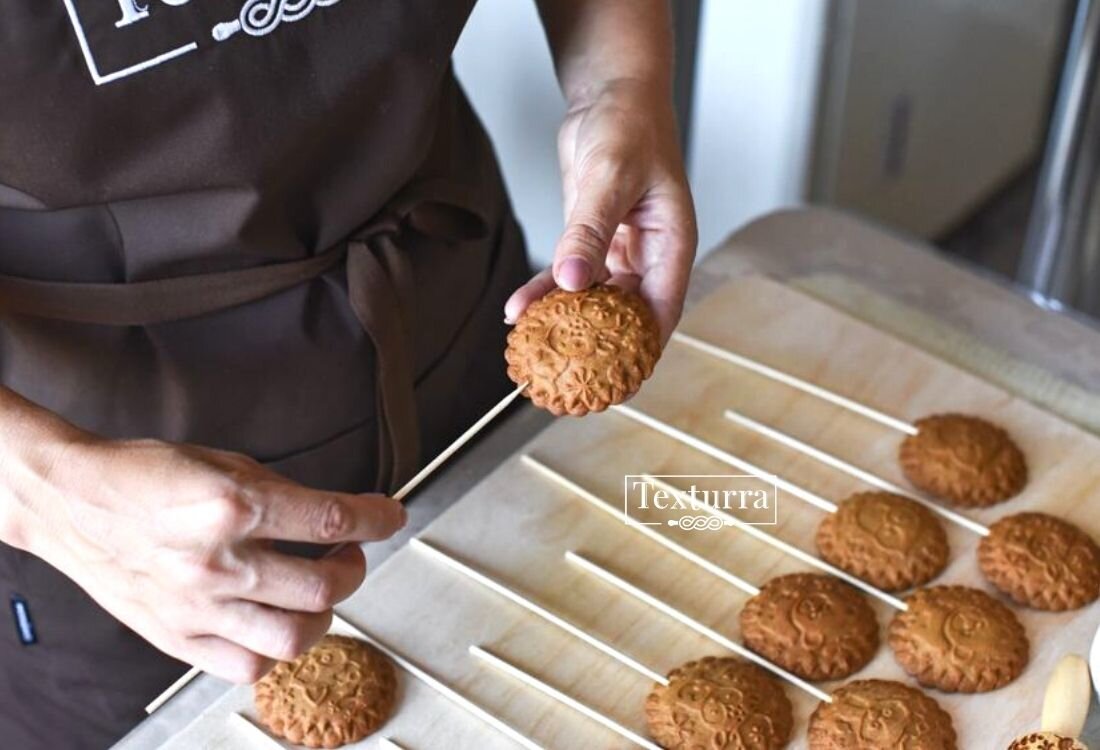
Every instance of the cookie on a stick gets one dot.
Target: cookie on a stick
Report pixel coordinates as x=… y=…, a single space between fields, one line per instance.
x=813 y=625
x=888 y=540
x=959 y=639
x=1041 y=561
x=880 y=714
x=963 y=459
x=719 y=702
x=581 y=352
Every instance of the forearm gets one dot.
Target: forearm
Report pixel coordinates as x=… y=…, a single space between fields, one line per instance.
x=33 y=442
x=597 y=43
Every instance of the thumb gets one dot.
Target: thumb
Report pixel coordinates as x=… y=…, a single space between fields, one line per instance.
x=601 y=205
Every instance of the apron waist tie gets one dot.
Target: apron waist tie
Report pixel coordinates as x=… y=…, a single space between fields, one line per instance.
x=378 y=277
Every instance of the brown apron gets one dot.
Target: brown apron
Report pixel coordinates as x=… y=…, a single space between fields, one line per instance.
x=290 y=240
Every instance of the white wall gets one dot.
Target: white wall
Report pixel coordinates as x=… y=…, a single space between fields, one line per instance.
x=504 y=62
x=753 y=107
x=757 y=74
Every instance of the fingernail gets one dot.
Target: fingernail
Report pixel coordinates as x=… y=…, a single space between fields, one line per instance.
x=508 y=321
x=574 y=274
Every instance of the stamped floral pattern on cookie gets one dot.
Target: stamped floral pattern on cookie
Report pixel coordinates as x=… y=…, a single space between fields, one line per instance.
x=964 y=459
x=959 y=639
x=719 y=702
x=1046 y=741
x=583 y=351
x=338 y=692
x=888 y=540
x=879 y=714
x=813 y=625
x=1041 y=561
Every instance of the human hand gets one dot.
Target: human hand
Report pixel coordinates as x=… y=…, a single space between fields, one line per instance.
x=628 y=208
x=176 y=542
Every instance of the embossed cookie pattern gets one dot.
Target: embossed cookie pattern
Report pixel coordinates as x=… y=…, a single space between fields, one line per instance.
x=959 y=639
x=1041 y=561
x=581 y=352
x=890 y=541
x=338 y=692
x=964 y=459
x=813 y=625
x=719 y=702
x=879 y=714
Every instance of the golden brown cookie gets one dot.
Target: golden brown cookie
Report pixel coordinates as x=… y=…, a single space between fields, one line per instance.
x=966 y=460
x=887 y=540
x=719 y=702
x=583 y=351
x=959 y=639
x=812 y=625
x=1041 y=561
x=338 y=692
x=880 y=715
x=1046 y=741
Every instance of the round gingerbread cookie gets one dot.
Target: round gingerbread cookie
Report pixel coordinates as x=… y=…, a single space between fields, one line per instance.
x=880 y=715
x=964 y=459
x=888 y=540
x=959 y=639
x=1046 y=741
x=719 y=702
x=812 y=625
x=583 y=351
x=338 y=692
x=1041 y=561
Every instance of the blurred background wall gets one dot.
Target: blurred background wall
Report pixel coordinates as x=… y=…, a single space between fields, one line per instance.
x=926 y=116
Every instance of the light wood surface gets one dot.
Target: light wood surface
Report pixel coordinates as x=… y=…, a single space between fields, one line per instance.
x=516 y=526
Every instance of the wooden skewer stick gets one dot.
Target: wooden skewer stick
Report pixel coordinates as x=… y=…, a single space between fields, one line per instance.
x=401 y=493
x=694 y=624
x=460 y=441
x=861 y=474
x=254 y=732
x=645 y=531
x=536 y=609
x=442 y=688
x=795 y=382
x=172 y=689
x=779 y=544
x=724 y=456
x=531 y=681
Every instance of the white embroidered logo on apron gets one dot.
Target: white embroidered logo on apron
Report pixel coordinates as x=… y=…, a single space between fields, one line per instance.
x=260 y=17
x=257 y=18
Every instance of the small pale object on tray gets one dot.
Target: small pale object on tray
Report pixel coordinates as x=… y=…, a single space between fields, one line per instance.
x=1065 y=708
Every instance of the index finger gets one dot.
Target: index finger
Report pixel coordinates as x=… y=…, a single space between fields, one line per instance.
x=293 y=513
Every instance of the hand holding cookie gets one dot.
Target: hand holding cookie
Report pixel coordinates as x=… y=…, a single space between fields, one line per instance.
x=628 y=207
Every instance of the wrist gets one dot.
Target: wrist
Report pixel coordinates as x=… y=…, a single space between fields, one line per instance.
x=653 y=90
x=35 y=445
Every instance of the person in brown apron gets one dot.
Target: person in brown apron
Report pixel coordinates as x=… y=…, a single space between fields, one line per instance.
x=253 y=260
